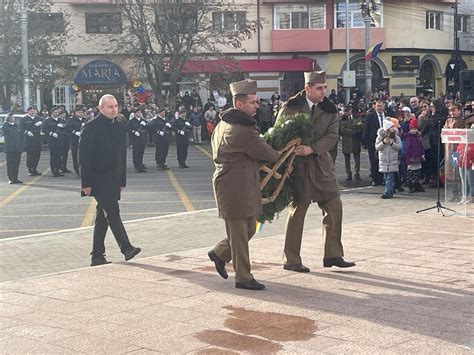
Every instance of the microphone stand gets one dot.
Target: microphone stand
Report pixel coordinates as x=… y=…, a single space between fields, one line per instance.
x=438 y=205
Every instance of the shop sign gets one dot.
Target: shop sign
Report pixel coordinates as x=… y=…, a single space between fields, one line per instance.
x=101 y=72
x=405 y=63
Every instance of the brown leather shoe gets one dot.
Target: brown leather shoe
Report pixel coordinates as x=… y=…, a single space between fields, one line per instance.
x=218 y=263
x=296 y=268
x=339 y=262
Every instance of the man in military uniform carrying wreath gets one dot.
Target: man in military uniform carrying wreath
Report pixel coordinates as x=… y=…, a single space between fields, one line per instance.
x=237 y=150
x=315 y=179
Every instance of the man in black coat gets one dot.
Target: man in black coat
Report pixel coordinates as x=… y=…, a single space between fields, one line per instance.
x=63 y=117
x=54 y=128
x=31 y=126
x=73 y=128
x=13 y=147
x=138 y=129
x=102 y=157
x=373 y=121
x=162 y=128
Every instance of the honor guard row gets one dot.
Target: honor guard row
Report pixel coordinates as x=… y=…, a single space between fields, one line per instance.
x=161 y=127
x=62 y=133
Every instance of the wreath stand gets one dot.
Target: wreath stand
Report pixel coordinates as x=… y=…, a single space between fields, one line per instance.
x=288 y=156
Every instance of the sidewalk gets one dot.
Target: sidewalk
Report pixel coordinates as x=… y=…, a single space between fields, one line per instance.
x=411 y=291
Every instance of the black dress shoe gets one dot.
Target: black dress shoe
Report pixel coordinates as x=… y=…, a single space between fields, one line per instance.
x=144 y=167
x=36 y=173
x=296 y=268
x=98 y=260
x=185 y=166
x=65 y=171
x=250 y=285
x=18 y=181
x=140 y=171
x=130 y=254
x=358 y=178
x=339 y=262
x=218 y=263
x=57 y=174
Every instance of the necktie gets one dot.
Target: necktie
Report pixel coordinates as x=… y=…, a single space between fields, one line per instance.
x=381 y=120
x=313 y=108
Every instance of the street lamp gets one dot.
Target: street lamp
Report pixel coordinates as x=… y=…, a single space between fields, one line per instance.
x=367 y=7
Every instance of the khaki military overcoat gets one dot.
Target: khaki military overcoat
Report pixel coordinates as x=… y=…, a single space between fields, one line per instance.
x=351 y=132
x=237 y=150
x=315 y=179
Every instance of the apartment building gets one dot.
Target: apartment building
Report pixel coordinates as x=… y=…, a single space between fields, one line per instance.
x=417 y=52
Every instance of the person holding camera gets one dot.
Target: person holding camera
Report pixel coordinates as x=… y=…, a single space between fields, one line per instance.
x=388 y=144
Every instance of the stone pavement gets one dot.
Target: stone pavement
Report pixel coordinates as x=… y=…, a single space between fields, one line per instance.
x=411 y=291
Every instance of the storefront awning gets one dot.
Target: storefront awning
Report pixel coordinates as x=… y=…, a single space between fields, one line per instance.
x=248 y=66
x=101 y=72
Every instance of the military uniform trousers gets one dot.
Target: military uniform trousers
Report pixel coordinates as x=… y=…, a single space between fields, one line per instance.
x=347 y=161
x=13 y=164
x=236 y=246
x=182 y=152
x=332 y=229
x=108 y=214
x=64 y=154
x=161 y=152
x=138 y=149
x=33 y=153
x=74 y=151
x=55 y=158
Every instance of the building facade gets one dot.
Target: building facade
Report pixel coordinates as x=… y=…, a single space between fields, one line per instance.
x=417 y=55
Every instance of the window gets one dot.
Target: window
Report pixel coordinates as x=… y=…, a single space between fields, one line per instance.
x=355 y=14
x=228 y=21
x=105 y=22
x=46 y=23
x=462 y=24
x=289 y=17
x=433 y=20
x=59 y=96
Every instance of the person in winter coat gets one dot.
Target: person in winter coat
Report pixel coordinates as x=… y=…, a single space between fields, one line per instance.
x=31 y=125
x=414 y=155
x=388 y=144
x=13 y=134
x=54 y=128
x=350 y=129
x=162 y=128
x=466 y=171
x=237 y=150
x=196 y=119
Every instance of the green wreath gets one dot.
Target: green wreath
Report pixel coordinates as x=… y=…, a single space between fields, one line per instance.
x=287 y=127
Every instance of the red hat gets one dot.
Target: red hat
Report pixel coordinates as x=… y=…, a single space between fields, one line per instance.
x=413 y=123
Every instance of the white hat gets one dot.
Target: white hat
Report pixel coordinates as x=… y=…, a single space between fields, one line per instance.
x=406 y=109
x=387 y=125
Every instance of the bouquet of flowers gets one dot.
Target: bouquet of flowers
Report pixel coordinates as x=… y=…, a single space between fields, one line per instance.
x=286 y=129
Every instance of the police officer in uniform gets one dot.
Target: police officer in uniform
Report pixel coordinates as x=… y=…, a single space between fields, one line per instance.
x=315 y=179
x=162 y=129
x=237 y=150
x=66 y=144
x=182 y=128
x=13 y=134
x=31 y=125
x=54 y=128
x=73 y=127
x=138 y=129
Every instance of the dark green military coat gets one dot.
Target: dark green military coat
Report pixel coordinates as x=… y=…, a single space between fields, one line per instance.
x=351 y=133
x=237 y=150
x=315 y=179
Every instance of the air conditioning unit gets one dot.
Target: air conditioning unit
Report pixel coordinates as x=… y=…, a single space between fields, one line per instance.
x=73 y=61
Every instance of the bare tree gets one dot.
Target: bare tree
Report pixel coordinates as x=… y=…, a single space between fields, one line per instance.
x=161 y=35
x=47 y=34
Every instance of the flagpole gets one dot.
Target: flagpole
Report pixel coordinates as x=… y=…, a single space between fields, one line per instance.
x=365 y=7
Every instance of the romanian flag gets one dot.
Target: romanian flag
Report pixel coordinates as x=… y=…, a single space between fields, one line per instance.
x=373 y=51
x=258 y=227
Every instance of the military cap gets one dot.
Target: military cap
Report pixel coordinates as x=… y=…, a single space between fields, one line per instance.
x=32 y=107
x=161 y=109
x=243 y=87
x=313 y=77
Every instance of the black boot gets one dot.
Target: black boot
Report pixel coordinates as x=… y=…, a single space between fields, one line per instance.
x=349 y=177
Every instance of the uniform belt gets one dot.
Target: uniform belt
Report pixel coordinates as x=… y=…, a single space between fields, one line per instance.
x=239 y=164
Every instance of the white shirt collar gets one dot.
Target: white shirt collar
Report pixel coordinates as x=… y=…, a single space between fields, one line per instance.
x=310 y=103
